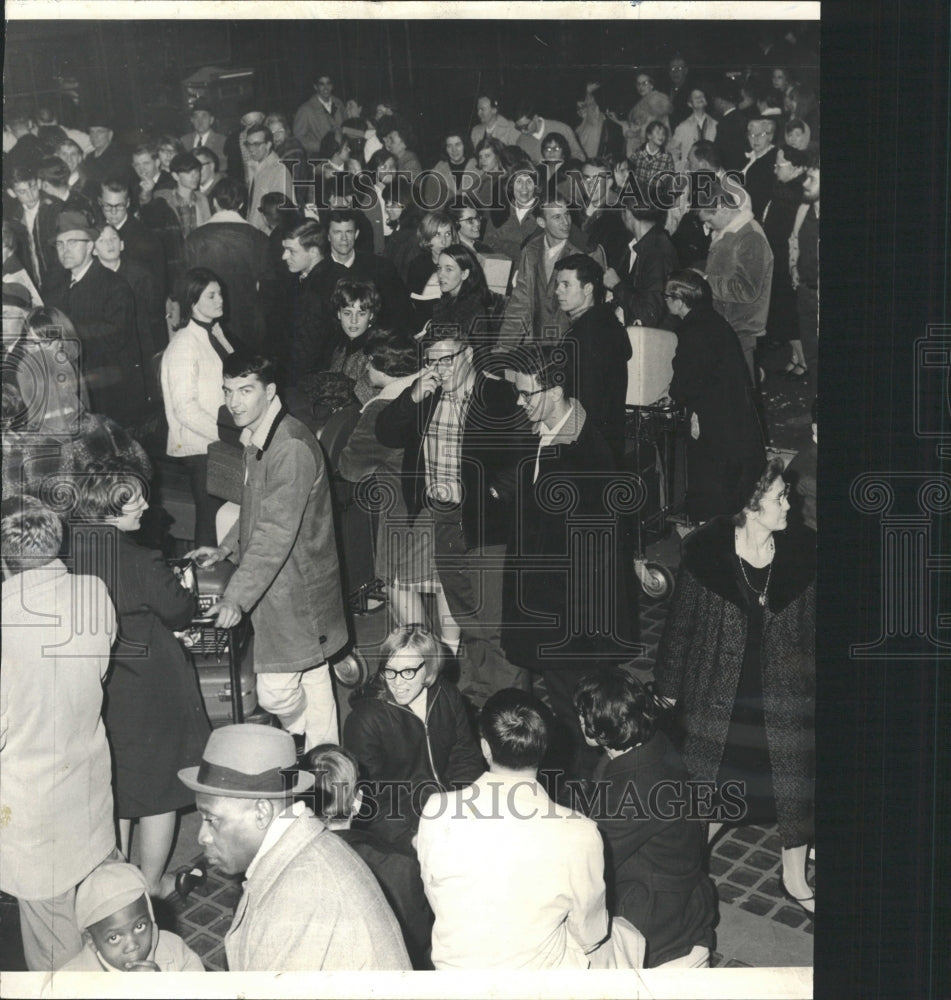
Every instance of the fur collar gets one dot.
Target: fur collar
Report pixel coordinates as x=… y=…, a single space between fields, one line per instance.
x=709 y=554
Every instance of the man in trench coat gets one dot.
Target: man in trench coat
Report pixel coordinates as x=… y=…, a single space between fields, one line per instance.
x=288 y=577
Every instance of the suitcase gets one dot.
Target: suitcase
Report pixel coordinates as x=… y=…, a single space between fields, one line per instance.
x=213 y=663
x=220 y=654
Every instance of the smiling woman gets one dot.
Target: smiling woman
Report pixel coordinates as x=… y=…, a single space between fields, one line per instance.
x=739 y=652
x=154 y=713
x=410 y=732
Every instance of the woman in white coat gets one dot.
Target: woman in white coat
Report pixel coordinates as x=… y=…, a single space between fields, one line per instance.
x=192 y=392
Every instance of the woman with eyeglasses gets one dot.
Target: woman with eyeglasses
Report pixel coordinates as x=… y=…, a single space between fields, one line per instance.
x=468 y=220
x=738 y=657
x=410 y=731
x=725 y=441
x=556 y=164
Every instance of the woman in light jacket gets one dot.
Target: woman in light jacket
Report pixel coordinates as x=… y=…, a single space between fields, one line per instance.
x=191 y=389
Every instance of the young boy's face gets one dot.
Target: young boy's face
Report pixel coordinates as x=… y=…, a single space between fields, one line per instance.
x=124 y=937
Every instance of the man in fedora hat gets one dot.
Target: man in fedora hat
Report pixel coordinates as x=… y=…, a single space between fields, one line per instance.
x=102 y=308
x=108 y=159
x=309 y=903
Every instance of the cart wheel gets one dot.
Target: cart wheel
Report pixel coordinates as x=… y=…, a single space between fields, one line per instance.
x=657 y=581
x=352 y=670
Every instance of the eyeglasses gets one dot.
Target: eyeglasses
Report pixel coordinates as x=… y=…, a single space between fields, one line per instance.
x=526 y=396
x=113 y=208
x=754 y=135
x=782 y=496
x=445 y=362
x=471 y=218
x=260 y=142
x=69 y=244
x=407 y=674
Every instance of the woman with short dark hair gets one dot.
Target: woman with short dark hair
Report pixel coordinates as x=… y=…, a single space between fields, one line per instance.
x=154 y=712
x=445 y=181
x=191 y=388
x=725 y=443
x=655 y=852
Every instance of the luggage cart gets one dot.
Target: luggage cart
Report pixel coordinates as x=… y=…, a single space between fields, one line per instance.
x=211 y=647
x=652 y=423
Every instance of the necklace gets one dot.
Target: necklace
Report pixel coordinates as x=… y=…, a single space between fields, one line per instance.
x=760 y=595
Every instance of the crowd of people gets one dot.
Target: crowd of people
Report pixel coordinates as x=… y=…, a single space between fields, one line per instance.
x=224 y=293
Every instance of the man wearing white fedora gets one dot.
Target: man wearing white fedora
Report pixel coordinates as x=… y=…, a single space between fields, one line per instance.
x=309 y=901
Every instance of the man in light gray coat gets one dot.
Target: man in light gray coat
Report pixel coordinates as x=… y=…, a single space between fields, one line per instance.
x=321 y=114
x=309 y=902
x=288 y=577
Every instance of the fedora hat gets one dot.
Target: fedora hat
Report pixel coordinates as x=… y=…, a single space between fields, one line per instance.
x=69 y=222
x=14 y=294
x=245 y=761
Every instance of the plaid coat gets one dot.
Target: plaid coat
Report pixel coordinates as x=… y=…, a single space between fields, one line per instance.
x=701 y=655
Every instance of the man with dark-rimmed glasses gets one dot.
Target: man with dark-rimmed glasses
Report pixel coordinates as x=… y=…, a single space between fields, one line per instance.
x=462 y=434
x=102 y=308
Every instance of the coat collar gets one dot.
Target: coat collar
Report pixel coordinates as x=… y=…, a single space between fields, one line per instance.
x=264 y=435
x=710 y=556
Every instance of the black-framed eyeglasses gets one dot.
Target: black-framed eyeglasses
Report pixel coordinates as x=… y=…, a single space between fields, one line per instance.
x=260 y=142
x=446 y=361
x=69 y=244
x=471 y=218
x=407 y=673
x=522 y=394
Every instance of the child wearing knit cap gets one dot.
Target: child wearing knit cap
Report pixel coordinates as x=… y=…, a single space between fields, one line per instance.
x=114 y=913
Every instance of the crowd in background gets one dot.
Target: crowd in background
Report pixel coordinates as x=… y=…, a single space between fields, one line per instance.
x=229 y=292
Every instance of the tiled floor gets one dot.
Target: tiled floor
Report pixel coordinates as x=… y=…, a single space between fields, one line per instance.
x=757 y=926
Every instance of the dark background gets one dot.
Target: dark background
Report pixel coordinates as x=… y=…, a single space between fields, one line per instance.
x=434 y=69
x=884 y=736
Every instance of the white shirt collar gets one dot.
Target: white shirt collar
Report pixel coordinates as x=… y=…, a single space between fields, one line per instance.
x=742 y=217
x=227 y=215
x=275 y=831
x=345 y=262
x=74 y=277
x=552 y=250
x=259 y=437
x=544 y=431
x=328 y=105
